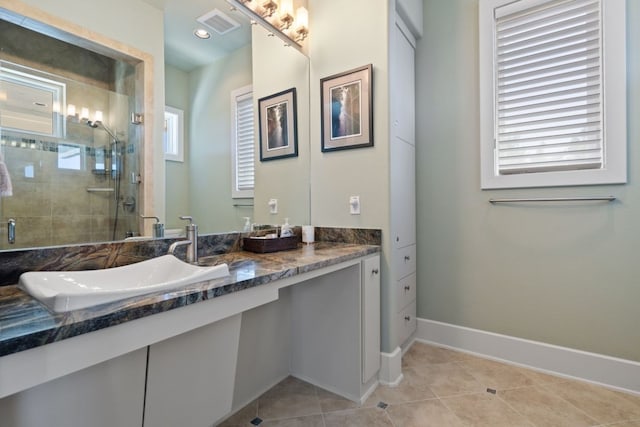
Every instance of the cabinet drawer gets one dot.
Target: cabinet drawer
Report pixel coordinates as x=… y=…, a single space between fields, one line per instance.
x=405 y=261
x=406 y=322
x=405 y=291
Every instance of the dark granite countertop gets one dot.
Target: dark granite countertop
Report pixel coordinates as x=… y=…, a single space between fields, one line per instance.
x=25 y=323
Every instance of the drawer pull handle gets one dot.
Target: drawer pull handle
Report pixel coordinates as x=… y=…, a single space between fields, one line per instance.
x=407 y=288
x=407 y=258
x=375 y=271
x=407 y=318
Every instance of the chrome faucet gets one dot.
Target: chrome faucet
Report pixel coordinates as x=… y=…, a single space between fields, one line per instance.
x=191 y=241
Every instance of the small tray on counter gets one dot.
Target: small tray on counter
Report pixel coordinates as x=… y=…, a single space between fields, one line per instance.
x=262 y=245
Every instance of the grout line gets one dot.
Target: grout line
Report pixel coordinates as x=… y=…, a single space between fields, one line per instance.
x=389 y=418
x=452 y=412
x=497 y=395
x=547 y=390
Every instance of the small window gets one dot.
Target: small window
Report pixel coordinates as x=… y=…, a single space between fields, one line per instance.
x=173 y=134
x=242 y=143
x=70 y=157
x=553 y=95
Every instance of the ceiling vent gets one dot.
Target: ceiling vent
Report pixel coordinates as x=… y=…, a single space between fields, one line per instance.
x=218 y=21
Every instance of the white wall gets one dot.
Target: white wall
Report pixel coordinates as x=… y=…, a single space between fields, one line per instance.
x=562 y=274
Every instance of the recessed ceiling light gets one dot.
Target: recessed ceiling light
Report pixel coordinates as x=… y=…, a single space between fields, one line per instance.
x=202 y=34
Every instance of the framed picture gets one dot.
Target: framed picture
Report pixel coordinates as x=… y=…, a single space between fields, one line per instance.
x=278 y=122
x=347 y=109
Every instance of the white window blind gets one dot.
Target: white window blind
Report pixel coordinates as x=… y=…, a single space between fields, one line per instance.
x=548 y=83
x=243 y=139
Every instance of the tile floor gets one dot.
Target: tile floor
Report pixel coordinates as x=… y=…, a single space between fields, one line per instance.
x=445 y=388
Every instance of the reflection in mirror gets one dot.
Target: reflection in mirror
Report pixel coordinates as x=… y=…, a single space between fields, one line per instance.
x=107 y=159
x=202 y=185
x=66 y=141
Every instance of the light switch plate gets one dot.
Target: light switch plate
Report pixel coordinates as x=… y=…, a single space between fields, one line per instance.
x=354 y=205
x=273 y=206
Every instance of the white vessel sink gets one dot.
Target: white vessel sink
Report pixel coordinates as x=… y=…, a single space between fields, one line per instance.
x=71 y=290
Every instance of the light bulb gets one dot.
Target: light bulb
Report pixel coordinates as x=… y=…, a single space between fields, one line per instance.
x=71 y=110
x=286 y=7
x=84 y=113
x=97 y=117
x=302 y=17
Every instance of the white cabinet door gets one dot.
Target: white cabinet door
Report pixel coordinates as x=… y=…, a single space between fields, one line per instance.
x=190 y=377
x=403 y=166
x=104 y=395
x=370 y=318
x=403 y=194
x=403 y=93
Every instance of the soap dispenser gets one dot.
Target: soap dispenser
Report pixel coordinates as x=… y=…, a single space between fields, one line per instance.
x=247 y=224
x=286 y=230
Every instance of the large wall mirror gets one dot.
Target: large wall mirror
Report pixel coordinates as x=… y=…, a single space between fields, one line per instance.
x=244 y=61
x=70 y=156
x=75 y=157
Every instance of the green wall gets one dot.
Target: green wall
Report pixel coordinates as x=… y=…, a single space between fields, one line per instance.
x=177 y=200
x=339 y=42
x=277 y=68
x=209 y=126
x=562 y=274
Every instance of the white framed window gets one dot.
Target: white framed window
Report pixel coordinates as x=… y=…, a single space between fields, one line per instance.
x=173 y=134
x=552 y=93
x=242 y=143
x=30 y=101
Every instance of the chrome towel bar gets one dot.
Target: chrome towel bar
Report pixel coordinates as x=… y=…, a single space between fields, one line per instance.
x=556 y=199
x=100 y=190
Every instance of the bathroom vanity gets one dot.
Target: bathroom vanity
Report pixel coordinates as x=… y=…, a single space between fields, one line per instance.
x=194 y=355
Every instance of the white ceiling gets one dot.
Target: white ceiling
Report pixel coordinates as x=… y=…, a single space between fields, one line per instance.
x=185 y=51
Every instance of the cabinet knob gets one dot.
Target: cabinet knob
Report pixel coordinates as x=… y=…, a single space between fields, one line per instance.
x=397 y=238
x=407 y=288
x=375 y=271
x=407 y=258
x=407 y=318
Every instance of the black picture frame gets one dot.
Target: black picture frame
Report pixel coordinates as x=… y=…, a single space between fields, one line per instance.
x=278 y=125
x=347 y=109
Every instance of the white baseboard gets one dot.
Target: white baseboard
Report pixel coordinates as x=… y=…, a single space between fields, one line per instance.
x=620 y=374
x=391 y=368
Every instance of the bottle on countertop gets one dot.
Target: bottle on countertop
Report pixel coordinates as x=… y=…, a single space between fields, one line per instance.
x=247 y=224
x=286 y=230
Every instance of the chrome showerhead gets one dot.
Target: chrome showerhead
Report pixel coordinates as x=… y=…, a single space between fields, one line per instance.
x=94 y=124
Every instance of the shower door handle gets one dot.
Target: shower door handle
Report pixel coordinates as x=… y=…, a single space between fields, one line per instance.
x=11 y=233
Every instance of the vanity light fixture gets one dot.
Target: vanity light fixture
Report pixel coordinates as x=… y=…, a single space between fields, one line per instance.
x=286 y=14
x=202 y=34
x=71 y=110
x=279 y=20
x=270 y=7
x=302 y=24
